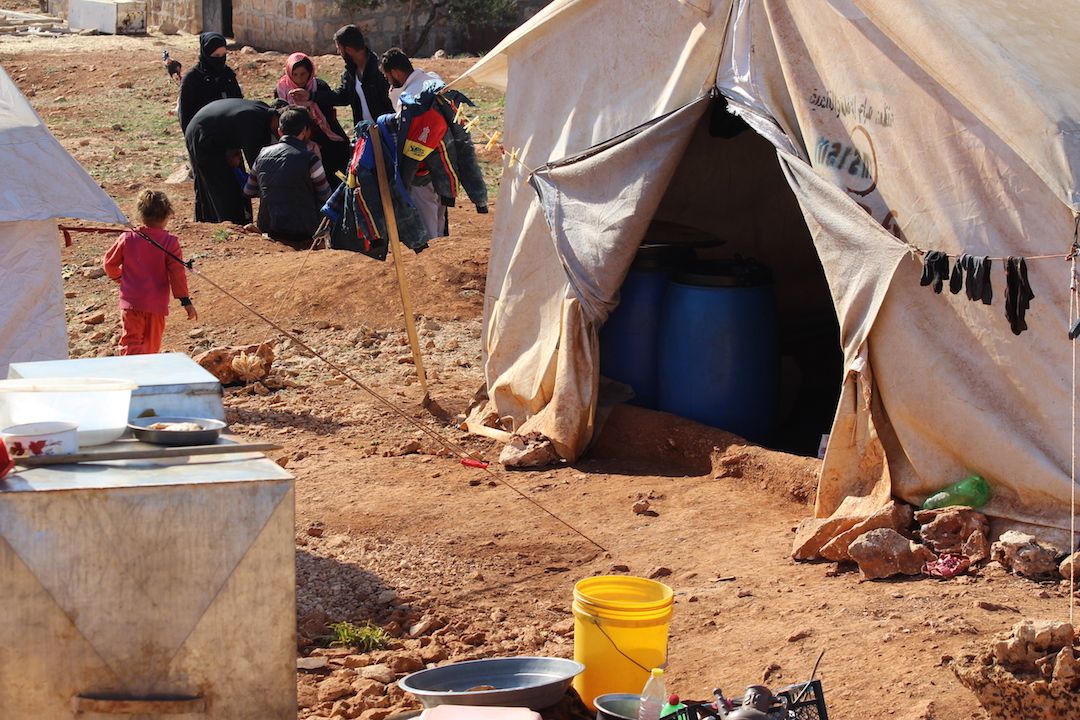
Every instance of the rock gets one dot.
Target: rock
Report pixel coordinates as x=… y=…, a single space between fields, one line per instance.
x=1030 y=672
x=346 y=709
x=316 y=528
x=884 y=553
x=620 y=567
x=950 y=531
x=70 y=294
x=433 y=653
x=313 y=624
x=248 y=50
x=529 y=450
x=659 y=572
x=993 y=607
x=406 y=663
x=799 y=635
x=95 y=319
x=322 y=325
x=334 y=688
x=356 y=661
x=197 y=333
x=312 y=663
x=640 y=507
x=895 y=515
x=426 y=625
x=474 y=639
x=99 y=337
x=381 y=673
x=168 y=27
x=1024 y=555
x=386 y=597
x=306 y=695
x=814 y=533
x=238 y=365
x=1066 y=567
x=409 y=448
x=368 y=689
x=439 y=54
x=375 y=714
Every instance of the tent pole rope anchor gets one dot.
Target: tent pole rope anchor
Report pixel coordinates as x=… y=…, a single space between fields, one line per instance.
x=399 y=267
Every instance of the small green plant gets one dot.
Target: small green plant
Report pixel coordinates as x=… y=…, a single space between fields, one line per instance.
x=221 y=235
x=366 y=637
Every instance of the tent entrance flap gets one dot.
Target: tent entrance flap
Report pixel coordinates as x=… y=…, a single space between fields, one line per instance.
x=647 y=228
x=758 y=349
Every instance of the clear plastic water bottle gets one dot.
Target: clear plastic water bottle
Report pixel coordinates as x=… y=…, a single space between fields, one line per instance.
x=973 y=491
x=653 y=696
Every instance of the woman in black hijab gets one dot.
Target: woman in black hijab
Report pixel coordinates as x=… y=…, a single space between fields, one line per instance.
x=209 y=80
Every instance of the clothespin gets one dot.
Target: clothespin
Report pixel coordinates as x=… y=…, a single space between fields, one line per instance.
x=459 y=114
x=513 y=157
x=493 y=139
x=468 y=126
x=340 y=176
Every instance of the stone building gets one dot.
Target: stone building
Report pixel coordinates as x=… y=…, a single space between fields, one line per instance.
x=309 y=25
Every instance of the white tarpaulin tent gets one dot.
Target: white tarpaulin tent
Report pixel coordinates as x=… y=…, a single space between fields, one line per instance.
x=939 y=126
x=42 y=182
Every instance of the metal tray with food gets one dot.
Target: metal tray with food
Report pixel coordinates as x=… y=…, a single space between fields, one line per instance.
x=177 y=430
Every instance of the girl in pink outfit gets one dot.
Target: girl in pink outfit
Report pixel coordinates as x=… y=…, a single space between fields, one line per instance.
x=146 y=275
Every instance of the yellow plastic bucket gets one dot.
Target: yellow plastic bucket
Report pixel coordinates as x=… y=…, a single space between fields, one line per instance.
x=620 y=633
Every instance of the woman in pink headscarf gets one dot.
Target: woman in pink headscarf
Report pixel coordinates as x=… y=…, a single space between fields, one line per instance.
x=299 y=86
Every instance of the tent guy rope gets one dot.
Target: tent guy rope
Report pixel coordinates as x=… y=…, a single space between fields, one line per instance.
x=463 y=455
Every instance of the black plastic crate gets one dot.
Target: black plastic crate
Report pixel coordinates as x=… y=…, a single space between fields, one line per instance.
x=804 y=701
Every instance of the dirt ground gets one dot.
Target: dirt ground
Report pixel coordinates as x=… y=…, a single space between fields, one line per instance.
x=391 y=528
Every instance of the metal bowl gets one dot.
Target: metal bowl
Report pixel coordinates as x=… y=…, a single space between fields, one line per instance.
x=211 y=431
x=532 y=682
x=617 y=706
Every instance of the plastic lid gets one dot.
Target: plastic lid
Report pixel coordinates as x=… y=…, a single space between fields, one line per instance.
x=62 y=385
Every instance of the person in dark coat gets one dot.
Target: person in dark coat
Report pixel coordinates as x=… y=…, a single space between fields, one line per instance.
x=209 y=80
x=221 y=126
x=363 y=86
x=298 y=86
x=290 y=181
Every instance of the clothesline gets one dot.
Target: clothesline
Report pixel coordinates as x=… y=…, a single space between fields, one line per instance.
x=492 y=139
x=922 y=253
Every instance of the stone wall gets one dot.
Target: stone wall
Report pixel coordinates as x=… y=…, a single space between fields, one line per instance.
x=309 y=25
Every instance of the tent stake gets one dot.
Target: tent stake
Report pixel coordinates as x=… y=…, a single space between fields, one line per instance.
x=403 y=282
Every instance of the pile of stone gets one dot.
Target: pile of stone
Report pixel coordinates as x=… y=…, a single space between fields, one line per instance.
x=1030 y=672
x=896 y=540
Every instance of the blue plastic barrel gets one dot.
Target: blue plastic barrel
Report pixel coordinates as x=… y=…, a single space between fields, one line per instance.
x=718 y=359
x=628 y=338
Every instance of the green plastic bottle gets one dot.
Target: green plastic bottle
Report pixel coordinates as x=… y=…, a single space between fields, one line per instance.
x=973 y=491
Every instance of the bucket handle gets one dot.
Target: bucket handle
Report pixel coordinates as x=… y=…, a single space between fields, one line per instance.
x=596 y=622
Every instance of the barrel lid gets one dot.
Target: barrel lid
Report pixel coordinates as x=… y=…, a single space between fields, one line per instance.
x=725 y=273
x=659 y=257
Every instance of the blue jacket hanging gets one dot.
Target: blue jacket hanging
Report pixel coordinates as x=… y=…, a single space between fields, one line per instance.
x=356 y=209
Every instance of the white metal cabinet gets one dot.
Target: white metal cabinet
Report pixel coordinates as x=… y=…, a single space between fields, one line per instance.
x=149 y=579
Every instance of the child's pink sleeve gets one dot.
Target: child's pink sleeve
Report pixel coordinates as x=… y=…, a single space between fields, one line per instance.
x=177 y=272
x=114 y=258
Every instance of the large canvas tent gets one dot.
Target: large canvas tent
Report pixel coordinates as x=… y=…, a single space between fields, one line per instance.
x=41 y=183
x=939 y=126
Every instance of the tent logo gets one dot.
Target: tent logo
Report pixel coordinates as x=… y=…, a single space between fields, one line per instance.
x=854 y=158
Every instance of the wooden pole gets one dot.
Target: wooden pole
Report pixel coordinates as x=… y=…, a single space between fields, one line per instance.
x=403 y=282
